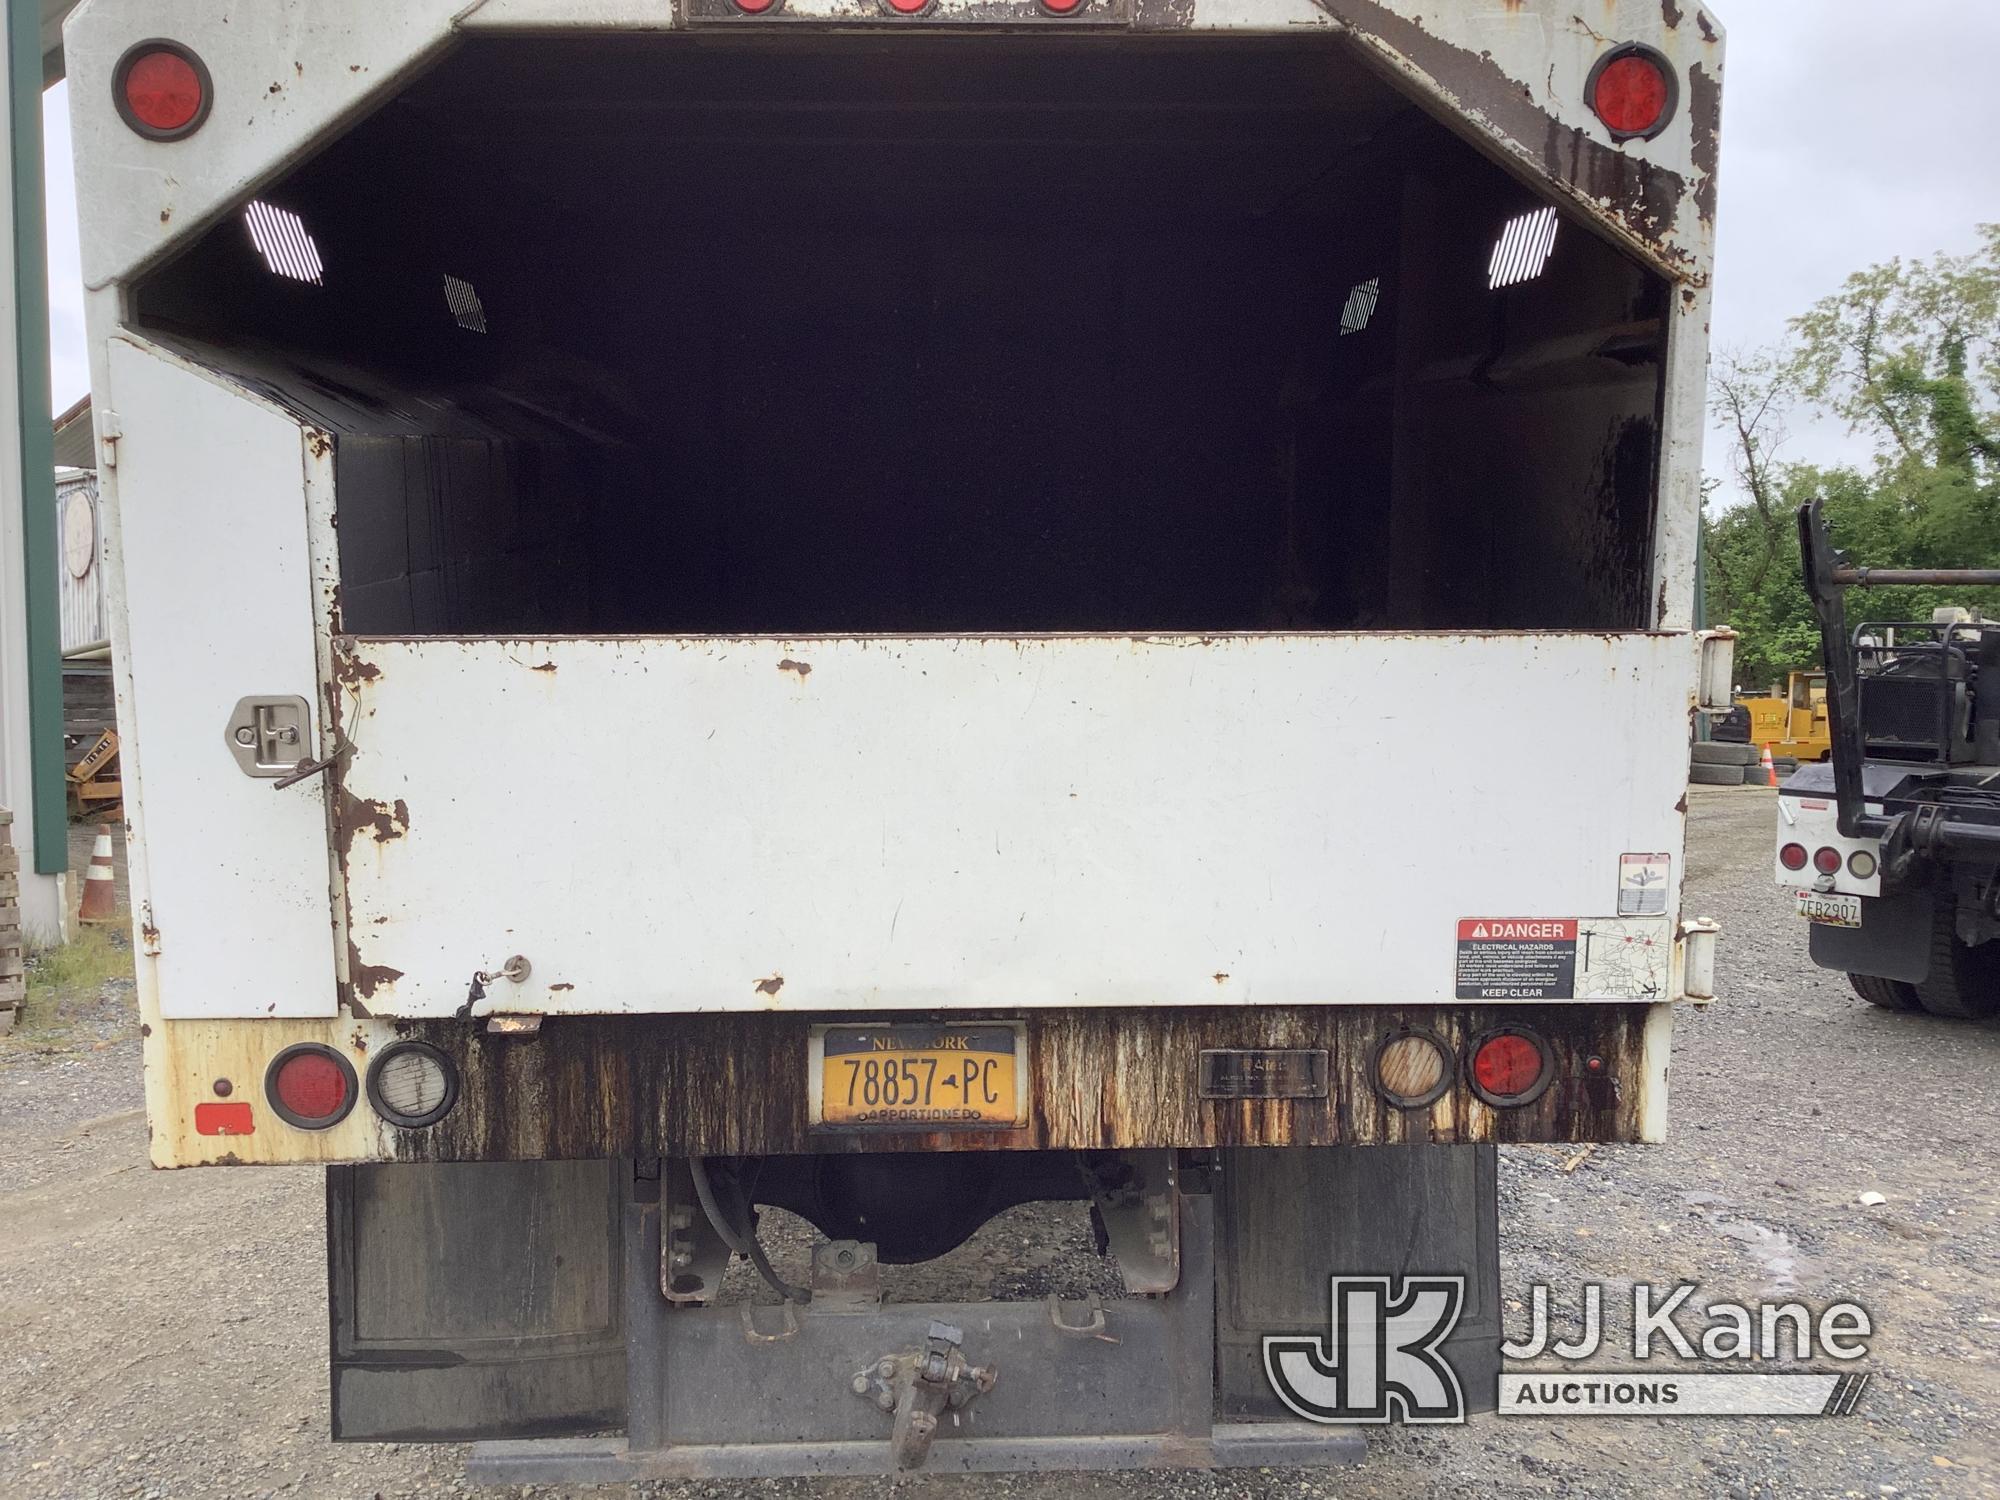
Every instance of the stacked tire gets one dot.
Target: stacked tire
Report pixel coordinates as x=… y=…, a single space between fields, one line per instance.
x=1716 y=764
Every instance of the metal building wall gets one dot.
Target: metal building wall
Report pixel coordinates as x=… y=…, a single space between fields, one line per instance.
x=80 y=595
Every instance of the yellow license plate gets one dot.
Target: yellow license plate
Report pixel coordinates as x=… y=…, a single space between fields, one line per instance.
x=920 y=1077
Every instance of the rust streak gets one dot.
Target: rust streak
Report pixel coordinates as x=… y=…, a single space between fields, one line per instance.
x=1705 y=114
x=352 y=671
x=1644 y=198
x=547 y=666
x=386 y=820
x=673 y=1085
x=803 y=668
x=368 y=978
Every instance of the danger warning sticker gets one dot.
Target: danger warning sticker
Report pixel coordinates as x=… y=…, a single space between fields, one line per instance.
x=1516 y=958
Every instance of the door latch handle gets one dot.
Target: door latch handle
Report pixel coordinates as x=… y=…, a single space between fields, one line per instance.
x=306 y=769
x=268 y=736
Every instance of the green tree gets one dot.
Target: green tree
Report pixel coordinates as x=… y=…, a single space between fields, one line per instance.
x=1908 y=354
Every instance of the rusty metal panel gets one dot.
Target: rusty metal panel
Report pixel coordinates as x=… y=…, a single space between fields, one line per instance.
x=1514 y=73
x=665 y=824
x=585 y=1087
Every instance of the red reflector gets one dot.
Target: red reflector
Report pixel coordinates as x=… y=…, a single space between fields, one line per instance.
x=1062 y=7
x=755 y=7
x=1507 y=1065
x=1793 y=856
x=223 y=1119
x=908 y=7
x=310 y=1086
x=1827 y=861
x=163 y=92
x=1631 y=95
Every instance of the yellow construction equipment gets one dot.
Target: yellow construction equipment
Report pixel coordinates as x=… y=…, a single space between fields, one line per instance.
x=1793 y=723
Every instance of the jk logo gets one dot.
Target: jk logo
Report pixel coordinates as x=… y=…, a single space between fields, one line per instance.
x=1379 y=1361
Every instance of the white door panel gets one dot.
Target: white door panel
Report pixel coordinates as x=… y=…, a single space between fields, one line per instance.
x=217 y=605
x=668 y=824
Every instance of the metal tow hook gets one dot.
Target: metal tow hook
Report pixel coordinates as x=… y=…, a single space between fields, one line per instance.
x=918 y=1387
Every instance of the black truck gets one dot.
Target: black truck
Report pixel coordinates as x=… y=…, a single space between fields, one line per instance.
x=1893 y=846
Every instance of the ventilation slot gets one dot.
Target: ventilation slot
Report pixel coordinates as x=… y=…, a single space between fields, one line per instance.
x=465 y=305
x=1361 y=304
x=281 y=238
x=1523 y=249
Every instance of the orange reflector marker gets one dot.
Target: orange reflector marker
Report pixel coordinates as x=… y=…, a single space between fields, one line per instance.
x=224 y=1119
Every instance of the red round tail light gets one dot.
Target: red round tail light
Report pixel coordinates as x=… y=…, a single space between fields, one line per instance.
x=908 y=7
x=1793 y=856
x=1827 y=861
x=1511 y=1066
x=1062 y=7
x=310 y=1086
x=1632 y=90
x=162 y=90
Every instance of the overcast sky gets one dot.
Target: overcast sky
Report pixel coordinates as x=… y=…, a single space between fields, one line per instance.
x=1853 y=131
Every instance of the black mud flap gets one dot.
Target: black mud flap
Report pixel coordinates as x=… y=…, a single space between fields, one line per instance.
x=1291 y=1218
x=1892 y=942
x=476 y=1300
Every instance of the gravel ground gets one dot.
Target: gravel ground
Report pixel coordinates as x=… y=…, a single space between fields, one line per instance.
x=161 y=1334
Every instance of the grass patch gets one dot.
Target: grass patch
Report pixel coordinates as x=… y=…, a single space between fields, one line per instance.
x=90 y=960
x=64 y=978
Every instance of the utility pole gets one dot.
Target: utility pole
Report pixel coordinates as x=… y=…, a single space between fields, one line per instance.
x=31 y=746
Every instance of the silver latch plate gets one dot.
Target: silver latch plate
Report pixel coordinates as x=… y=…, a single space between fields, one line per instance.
x=269 y=736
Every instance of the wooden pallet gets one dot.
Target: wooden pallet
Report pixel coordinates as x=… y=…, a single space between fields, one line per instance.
x=13 y=957
x=95 y=795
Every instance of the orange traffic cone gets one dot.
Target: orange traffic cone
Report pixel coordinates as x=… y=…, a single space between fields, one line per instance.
x=100 y=893
x=1770 y=768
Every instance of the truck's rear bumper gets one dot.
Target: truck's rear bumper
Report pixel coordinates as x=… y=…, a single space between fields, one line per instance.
x=738 y=1085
